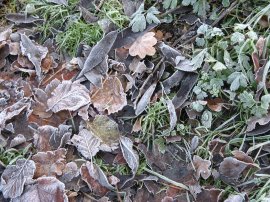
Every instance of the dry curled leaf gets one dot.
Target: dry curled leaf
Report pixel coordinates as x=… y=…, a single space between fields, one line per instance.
x=15 y=176
x=45 y=189
x=95 y=179
x=130 y=155
x=50 y=163
x=68 y=96
x=48 y=138
x=111 y=97
x=106 y=130
x=144 y=45
x=86 y=143
x=202 y=167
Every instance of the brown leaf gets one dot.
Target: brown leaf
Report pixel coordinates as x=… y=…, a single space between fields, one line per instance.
x=202 y=167
x=87 y=144
x=137 y=66
x=144 y=45
x=209 y=195
x=111 y=97
x=215 y=104
x=68 y=96
x=95 y=179
x=46 y=189
x=19 y=139
x=15 y=176
x=106 y=130
x=50 y=163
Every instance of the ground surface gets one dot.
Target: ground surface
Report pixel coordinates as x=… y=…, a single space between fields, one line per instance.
x=132 y=100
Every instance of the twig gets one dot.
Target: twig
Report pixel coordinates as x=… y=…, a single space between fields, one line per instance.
x=178 y=184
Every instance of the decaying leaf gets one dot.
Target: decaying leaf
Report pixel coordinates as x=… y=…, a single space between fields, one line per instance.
x=202 y=167
x=209 y=195
x=14 y=177
x=95 y=179
x=86 y=143
x=111 y=97
x=50 y=163
x=106 y=130
x=45 y=189
x=49 y=138
x=19 y=139
x=236 y=198
x=5 y=33
x=68 y=96
x=19 y=18
x=144 y=45
x=130 y=155
x=35 y=53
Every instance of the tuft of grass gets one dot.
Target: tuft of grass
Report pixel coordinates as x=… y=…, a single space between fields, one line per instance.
x=11 y=155
x=76 y=33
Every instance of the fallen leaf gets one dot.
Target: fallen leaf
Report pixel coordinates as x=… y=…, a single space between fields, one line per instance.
x=45 y=189
x=86 y=143
x=14 y=177
x=95 y=179
x=106 y=130
x=50 y=163
x=209 y=195
x=49 y=138
x=144 y=45
x=202 y=167
x=215 y=104
x=18 y=18
x=145 y=99
x=35 y=53
x=70 y=172
x=98 y=52
x=68 y=96
x=172 y=112
x=19 y=139
x=111 y=97
x=130 y=155
x=137 y=66
x=59 y=2
x=236 y=198
x=5 y=33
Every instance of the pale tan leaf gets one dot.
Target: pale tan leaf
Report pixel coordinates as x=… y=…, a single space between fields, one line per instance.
x=202 y=167
x=111 y=97
x=144 y=45
x=68 y=96
x=15 y=176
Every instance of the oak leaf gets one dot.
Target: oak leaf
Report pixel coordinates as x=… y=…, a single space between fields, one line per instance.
x=144 y=45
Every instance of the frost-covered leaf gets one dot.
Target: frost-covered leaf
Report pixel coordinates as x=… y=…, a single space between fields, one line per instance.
x=15 y=176
x=169 y=4
x=19 y=139
x=35 y=53
x=48 y=138
x=202 y=167
x=201 y=7
x=130 y=155
x=207 y=119
x=237 y=37
x=172 y=112
x=138 y=22
x=151 y=15
x=219 y=66
x=237 y=79
x=99 y=52
x=198 y=59
x=247 y=99
x=86 y=143
x=68 y=96
x=59 y=2
x=95 y=178
x=50 y=163
x=144 y=45
x=45 y=189
x=106 y=130
x=110 y=97
x=145 y=99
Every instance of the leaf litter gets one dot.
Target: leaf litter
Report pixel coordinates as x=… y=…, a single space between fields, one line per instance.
x=171 y=104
